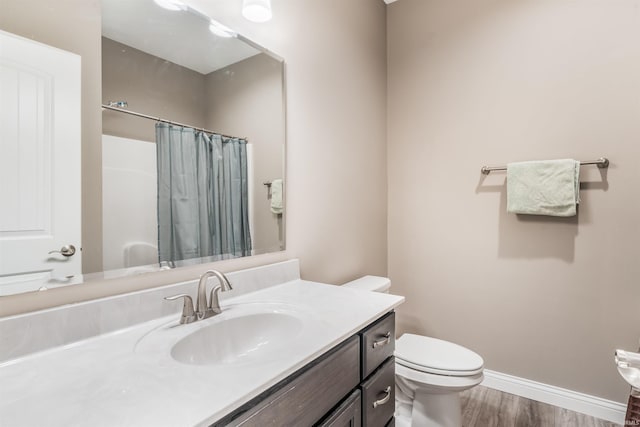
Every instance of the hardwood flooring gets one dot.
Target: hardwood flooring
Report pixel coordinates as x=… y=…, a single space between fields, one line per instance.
x=486 y=407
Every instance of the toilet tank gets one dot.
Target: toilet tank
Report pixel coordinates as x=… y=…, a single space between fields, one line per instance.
x=371 y=283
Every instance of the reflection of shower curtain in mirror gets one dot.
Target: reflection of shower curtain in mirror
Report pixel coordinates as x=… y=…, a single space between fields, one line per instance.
x=202 y=195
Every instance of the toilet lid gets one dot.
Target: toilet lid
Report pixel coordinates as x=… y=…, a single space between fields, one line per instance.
x=436 y=356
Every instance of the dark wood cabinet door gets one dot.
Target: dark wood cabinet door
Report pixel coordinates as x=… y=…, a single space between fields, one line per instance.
x=348 y=414
x=378 y=343
x=378 y=395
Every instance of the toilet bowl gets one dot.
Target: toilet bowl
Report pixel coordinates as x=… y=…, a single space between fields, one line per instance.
x=430 y=373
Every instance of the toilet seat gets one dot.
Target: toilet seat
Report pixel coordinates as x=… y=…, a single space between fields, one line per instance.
x=439 y=383
x=433 y=371
x=437 y=357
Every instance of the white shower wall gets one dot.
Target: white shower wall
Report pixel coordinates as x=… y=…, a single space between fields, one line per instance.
x=129 y=193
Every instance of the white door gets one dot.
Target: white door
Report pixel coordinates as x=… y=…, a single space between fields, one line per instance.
x=39 y=165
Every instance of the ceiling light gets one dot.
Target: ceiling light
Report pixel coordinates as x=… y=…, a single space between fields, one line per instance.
x=171 y=4
x=257 y=10
x=221 y=30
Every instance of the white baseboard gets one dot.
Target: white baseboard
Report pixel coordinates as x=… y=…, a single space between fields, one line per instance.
x=561 y=397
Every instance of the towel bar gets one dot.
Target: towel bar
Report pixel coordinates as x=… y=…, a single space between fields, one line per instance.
x=602 y=163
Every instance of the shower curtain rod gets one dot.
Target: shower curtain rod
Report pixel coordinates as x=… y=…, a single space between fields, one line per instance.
x=158 y=119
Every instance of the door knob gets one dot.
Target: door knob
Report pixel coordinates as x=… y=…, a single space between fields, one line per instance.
x=66 y=250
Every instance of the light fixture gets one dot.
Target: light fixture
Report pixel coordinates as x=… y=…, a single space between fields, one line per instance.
x=257 y=10
x=171 y=4
x=220 y=30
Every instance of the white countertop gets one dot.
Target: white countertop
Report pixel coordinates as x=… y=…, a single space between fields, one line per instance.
x=128 y=377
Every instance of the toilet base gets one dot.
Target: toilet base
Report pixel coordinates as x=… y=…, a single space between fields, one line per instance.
x=431 y=400
x=402 y=421
x=426 y=406
x=430 y=410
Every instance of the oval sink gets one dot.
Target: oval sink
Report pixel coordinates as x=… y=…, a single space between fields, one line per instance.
x=238 y=339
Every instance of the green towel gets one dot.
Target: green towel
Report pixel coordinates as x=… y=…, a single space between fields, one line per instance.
x=276 y=196
x=549 y=187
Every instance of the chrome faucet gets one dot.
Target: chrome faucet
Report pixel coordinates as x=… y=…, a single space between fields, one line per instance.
x=203 y=310
x=214 y=300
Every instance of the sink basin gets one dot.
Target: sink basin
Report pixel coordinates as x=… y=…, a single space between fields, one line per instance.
x=237 y=340
x=629 y=367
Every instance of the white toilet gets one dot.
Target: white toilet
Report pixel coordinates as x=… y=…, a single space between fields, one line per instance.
x=430 y=373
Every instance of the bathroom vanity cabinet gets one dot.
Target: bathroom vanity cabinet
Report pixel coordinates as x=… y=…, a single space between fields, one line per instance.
x=283 y=352
x=350 y=385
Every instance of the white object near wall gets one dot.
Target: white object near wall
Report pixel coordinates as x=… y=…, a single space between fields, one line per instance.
x=130 y=221
x=39 y=165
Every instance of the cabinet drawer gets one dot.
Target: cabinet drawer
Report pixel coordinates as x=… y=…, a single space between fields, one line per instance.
x=347 y=414
x=378 y=343
x=308 y=396
x=379 y=395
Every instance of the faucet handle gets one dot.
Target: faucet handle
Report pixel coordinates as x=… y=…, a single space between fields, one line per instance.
x=188 y=312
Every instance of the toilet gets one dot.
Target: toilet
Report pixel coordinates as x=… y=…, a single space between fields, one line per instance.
x=430 y=373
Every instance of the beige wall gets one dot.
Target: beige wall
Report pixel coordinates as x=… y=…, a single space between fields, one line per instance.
x=493 y=81
x=164 y=90
x=336 y=133
x=245 y=99
x=72 y=25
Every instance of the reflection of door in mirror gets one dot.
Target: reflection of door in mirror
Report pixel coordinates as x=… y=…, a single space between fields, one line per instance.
x=39 y=166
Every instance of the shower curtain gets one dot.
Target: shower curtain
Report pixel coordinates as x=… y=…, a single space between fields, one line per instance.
x=202 y=195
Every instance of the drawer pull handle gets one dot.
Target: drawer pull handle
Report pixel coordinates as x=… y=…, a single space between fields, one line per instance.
x=384 y=399
x=383 y=341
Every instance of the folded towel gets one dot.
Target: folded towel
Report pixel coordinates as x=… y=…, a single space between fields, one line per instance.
x=549 y=187
x=276 y=196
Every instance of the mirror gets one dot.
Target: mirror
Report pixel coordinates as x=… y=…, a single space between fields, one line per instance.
x=166 y=71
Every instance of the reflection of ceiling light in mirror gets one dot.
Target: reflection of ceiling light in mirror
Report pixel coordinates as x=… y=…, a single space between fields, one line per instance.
x=257 y=10
x=220 y=30
x=171 y=4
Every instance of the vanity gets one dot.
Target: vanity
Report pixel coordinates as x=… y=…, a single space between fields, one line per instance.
x=284 y=351
x=350 y=385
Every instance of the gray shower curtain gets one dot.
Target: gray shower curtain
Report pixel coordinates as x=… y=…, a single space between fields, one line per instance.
x=202 y=195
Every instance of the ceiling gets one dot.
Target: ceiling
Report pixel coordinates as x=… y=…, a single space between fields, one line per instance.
x=180 y=37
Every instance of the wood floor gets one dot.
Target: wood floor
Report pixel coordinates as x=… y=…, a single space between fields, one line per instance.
x=485 y=407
